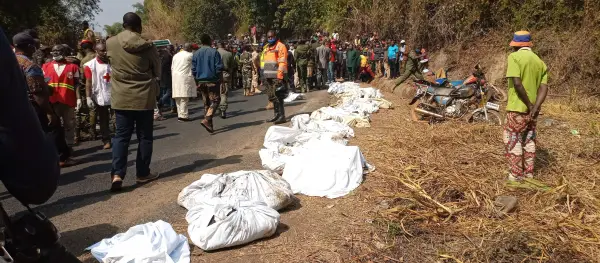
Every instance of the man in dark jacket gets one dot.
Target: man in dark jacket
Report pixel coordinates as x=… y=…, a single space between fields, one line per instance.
x=324 y=55
x=207 y=69
x=136 y=69
x=166 y=89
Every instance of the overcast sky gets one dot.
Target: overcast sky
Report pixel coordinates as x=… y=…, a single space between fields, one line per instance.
x=112 y=11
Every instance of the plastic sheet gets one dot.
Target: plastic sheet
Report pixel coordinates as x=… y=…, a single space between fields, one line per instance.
x=261 y=186
x=151 y=242
x=221 y=225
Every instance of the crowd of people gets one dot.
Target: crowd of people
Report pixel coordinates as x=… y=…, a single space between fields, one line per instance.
x=132 y=81
x=323 y=58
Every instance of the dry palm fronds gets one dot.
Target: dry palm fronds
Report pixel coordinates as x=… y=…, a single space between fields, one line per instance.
x=439 y=184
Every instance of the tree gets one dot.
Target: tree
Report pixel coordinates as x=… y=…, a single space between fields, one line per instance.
x=56 y=21
x=140 y=10
x=213 y=17
x=114 y=29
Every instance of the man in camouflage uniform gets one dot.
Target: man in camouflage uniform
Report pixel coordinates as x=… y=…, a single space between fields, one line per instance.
x=246 y=67
x=303 y=53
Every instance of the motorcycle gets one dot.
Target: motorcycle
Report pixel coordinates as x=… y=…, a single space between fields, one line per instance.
x=469 y=100
x=31 y=238
x=497 y=94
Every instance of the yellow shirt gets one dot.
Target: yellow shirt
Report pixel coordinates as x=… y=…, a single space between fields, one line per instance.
x=363 y=61
x=533 y=72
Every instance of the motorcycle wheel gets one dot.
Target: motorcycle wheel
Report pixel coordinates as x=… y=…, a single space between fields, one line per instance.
x=416 y=116
x=498 y=94
x=494 y=117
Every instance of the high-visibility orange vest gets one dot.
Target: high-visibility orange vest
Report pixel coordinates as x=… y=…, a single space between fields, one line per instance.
x=64 y=85
x=275 y=61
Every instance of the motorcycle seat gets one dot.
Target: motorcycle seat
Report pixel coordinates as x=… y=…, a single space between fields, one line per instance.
x=456 y=83
x=441 y=91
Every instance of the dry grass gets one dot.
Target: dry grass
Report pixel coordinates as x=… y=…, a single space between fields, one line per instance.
x=438 y=185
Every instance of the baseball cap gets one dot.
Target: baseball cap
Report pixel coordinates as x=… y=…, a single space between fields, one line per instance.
x=521 y=39
x=23 y=39
x=403 y=41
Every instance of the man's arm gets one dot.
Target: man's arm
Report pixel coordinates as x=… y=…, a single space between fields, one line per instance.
x=521 y=93
x=194 y=60
x=542 y=93
x=155 y=62
x=88 y=87
x=541 y=97
x=218 y=66
x=282 y=61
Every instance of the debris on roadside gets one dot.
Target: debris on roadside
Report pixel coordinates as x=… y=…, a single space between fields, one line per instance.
x=504 y=205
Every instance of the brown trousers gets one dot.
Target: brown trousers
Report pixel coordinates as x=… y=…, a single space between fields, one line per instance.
x=211 y=96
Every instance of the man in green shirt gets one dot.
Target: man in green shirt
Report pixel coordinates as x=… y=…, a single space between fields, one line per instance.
x=411 y=68
x=303 y=53
x=352 y=62
x=527 y=89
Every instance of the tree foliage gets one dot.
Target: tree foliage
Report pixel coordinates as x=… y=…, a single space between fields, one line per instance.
x=140 y=10
x=114 y=29
x=56 y=21
x=431 y=22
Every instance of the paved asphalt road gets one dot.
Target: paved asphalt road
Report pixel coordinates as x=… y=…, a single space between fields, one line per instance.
x=85 y=211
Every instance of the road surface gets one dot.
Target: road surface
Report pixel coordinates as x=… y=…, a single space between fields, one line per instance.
x=85 y=211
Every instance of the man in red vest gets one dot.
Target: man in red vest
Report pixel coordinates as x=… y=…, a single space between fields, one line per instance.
x=64 y=79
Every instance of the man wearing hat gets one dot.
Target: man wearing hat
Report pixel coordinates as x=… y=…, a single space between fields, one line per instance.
x=39 y=95
x=527 y=78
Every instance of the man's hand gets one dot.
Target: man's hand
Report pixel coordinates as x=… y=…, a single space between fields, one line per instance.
x=90 y=103
x=78 y=106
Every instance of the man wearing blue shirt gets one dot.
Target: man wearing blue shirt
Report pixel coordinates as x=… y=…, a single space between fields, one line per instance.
x=207 y=68
x=393 y=59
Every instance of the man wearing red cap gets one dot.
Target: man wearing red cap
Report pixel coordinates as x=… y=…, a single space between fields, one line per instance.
x=527 y=89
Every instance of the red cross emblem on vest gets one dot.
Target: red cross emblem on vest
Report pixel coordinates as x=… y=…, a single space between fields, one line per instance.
x=106 y=77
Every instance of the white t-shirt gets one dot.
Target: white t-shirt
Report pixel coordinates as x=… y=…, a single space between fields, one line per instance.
x=100 y=74
x=60 y=67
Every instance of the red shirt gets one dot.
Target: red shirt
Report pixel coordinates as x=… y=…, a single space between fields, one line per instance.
x=333 y=52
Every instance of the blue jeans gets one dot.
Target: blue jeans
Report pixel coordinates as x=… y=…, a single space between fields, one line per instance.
x=165 y=96
x=143 y=122
x=330 y=74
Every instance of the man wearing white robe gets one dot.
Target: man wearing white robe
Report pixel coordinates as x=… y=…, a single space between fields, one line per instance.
x=184 y=86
